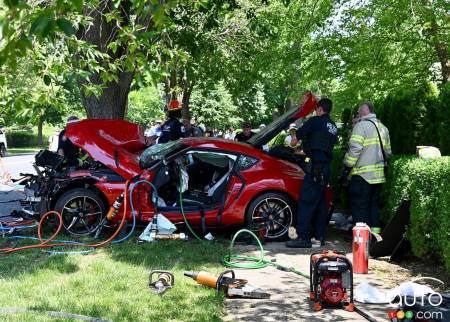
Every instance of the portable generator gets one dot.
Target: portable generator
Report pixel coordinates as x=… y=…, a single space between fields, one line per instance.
x=331 y=280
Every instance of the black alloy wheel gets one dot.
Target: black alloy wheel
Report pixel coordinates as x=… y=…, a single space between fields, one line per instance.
x=82 y=211
x=275 y=211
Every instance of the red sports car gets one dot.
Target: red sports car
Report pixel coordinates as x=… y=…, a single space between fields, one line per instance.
x=222 y=182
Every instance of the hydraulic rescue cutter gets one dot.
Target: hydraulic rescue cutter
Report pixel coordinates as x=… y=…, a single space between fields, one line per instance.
x=232 y=286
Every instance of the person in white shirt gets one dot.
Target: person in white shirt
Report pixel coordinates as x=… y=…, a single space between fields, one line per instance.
x=291 y=139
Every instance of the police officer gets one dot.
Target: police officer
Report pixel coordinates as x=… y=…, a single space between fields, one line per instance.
x=172 y=129
x=318 y=134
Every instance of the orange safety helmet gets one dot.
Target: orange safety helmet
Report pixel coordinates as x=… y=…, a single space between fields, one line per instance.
x=174 y=105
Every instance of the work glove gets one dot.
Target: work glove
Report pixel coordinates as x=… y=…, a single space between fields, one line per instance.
x=343 y=179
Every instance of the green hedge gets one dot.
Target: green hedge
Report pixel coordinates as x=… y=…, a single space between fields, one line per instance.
x=426 y=184
x=23 y=138
x=417 y=116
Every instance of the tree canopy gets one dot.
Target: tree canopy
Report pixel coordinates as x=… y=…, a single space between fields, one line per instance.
x=252 y=55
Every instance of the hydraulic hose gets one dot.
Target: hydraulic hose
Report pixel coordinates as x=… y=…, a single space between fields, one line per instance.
x=43 y=243
x=253 y=262
x=46 y=243
x=133 y=211
x=182 y=210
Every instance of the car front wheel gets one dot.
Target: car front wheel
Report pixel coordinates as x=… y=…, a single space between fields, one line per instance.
x=275 y=211
x=82 y=211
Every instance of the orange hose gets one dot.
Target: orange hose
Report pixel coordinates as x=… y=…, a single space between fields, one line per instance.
x=122 y=222
x=18 y=223
x=44 y=243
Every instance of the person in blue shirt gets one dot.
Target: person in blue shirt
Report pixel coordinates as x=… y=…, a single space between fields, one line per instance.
x=319 y=135
x=172 y=129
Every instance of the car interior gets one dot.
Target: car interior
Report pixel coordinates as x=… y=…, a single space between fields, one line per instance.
x=202 y=177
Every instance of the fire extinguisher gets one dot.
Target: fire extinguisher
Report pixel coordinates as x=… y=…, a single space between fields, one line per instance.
x=361 y=238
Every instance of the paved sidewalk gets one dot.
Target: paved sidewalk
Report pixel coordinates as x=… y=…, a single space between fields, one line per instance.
x=289 y=292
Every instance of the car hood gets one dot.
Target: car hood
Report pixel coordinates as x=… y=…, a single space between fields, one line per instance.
x=307 y=105
x=115 y=143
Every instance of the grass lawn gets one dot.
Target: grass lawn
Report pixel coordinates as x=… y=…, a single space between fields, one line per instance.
x=111 y=283
x=12 y=151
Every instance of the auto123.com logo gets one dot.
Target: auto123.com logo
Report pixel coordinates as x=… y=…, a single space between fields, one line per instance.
x=433 y=299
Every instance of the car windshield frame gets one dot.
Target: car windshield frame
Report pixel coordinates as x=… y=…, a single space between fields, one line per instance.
x=159 y=152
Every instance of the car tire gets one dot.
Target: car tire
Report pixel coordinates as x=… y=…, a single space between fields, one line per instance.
x=274 y=209
x=3 y=152
x=82 y=211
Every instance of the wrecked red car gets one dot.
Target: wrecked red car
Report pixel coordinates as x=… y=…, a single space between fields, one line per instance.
x=223 y=183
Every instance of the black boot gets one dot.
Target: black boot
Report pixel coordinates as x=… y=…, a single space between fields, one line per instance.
x=298 y=243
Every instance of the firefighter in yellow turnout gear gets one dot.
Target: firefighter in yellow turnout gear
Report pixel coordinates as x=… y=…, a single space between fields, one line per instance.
x=364 y=162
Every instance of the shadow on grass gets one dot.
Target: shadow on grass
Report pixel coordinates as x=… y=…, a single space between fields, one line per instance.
x=28 y=262
x=188 y=255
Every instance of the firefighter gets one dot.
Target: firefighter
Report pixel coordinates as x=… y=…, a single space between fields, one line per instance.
x=364 y=163
x=318 y=134
x=172 y=129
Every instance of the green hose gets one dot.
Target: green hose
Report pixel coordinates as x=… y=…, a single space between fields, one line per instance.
x=185 y=219
x=182 y=210
x=253 y=262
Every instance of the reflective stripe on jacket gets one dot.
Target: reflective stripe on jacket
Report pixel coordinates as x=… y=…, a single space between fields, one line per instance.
x=364 y=153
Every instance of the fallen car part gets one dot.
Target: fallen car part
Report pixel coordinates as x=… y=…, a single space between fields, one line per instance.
x=331 y=280
x=232 y=286
x=54 y=314
x=163 y=281
x=160 y=228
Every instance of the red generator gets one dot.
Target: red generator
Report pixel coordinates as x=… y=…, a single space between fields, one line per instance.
x=331 y=280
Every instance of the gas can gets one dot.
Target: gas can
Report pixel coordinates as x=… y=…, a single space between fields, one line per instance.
x=361 y=238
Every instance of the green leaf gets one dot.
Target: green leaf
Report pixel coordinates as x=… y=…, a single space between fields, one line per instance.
x=78 y=4
x=47 y=80
x=11 y=3
x=66 y=26
x=41 y=26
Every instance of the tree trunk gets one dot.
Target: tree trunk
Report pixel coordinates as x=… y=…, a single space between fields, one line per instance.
x=40 y=126
x=442 y=52
x=187 y=91
x=112 y=103
x=441 y=47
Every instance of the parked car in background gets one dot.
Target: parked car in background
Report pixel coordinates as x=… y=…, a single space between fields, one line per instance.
x=3 y=143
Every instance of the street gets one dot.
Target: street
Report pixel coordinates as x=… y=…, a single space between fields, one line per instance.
x=15 y=165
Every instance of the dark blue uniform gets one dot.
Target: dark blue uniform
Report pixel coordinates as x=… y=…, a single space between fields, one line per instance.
x=318 y=135
x=171 y=130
